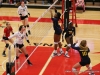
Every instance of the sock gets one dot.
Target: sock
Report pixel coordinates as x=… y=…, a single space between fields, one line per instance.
x=60 y=49
x=55 y=51
x=66 y=52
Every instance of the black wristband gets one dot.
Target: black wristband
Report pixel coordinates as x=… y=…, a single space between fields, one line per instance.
x=28 y=41
x=20 y=14
x=28 y=13
x=12 y=33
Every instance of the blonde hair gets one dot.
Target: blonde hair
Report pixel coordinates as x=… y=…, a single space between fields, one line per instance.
x=83 y=45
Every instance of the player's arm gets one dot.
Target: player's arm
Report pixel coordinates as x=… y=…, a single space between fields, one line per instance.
x=27 y=11
x=19 y=11
x=12 y=31
x=51 y=13
x=74 y=31
x=55 y=10
x=75 y=47
x=4 y=35
x=27 y=40
x=63 y=34
x=12 y=36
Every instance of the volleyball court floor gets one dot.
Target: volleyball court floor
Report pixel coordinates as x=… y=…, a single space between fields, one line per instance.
x=45 y=64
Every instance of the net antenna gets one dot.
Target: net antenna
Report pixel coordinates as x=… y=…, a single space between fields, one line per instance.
x=39 y=32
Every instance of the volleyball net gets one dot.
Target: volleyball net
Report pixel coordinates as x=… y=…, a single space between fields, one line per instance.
x=42 y=27
x=39 y=30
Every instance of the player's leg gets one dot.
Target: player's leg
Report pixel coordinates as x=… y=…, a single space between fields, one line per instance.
x=27 y=25
x=60 y=45
x=23 y=49
x=5 y=48
x=68 y=46
x=90 y=69
x=74 y=68
x=55 y=44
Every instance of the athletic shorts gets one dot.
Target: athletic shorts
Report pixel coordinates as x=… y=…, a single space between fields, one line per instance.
x=19 y=45
x=85 y=62
x=5 y=38
x=67 y=36
x=58 y=32
x=23 y=17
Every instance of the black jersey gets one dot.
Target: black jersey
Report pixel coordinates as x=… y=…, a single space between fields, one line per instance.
x=69 y=32
x=56 y=25
x=83 y=53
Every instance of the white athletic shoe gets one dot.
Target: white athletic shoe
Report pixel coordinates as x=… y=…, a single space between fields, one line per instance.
x=66 y=55
x=61 y=52
x=54 y=54
x=91 y=74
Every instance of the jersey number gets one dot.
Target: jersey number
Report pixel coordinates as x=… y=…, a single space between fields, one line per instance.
x=84 y=53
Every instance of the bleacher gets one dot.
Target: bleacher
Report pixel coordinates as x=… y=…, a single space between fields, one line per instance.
x=90 y=4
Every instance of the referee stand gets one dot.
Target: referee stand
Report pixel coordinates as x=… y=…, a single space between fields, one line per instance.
x=10 y=66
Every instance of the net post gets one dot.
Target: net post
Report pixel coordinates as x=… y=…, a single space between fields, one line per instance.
x=9 y=64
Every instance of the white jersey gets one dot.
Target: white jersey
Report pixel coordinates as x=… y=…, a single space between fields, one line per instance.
x=23 y=10
x=19 y=37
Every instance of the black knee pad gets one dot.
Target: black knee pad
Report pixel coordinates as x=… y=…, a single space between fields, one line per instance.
x=7 y=45
x=17 y=57
x=26 y=55
x=27 y=25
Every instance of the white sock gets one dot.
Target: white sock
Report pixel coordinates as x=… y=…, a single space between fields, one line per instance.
x=60 y=49
x=55 y=51
x=66 y=52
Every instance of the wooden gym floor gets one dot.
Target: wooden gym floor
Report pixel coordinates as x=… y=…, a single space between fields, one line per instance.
x=88 y=29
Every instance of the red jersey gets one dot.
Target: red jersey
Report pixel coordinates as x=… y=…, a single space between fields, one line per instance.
x=7 y=31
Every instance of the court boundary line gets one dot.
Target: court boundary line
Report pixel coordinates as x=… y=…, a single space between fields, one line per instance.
x=46 y=64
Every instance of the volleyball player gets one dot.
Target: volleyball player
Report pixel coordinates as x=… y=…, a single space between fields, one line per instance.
x=20 y=35
x=7 y=30
x=70 y=31
x=57 y=33
x=24 y=14
x=85 y=59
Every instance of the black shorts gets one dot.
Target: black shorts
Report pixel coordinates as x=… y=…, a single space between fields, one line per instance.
x=85 y=62
x=67 y=36
x=5 y=38
x=23 y=17
x=19 y=45
x=58 y=32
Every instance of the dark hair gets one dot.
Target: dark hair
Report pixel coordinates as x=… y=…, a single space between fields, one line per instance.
x=58 y=15
x=21 y=27
x=7 y=23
